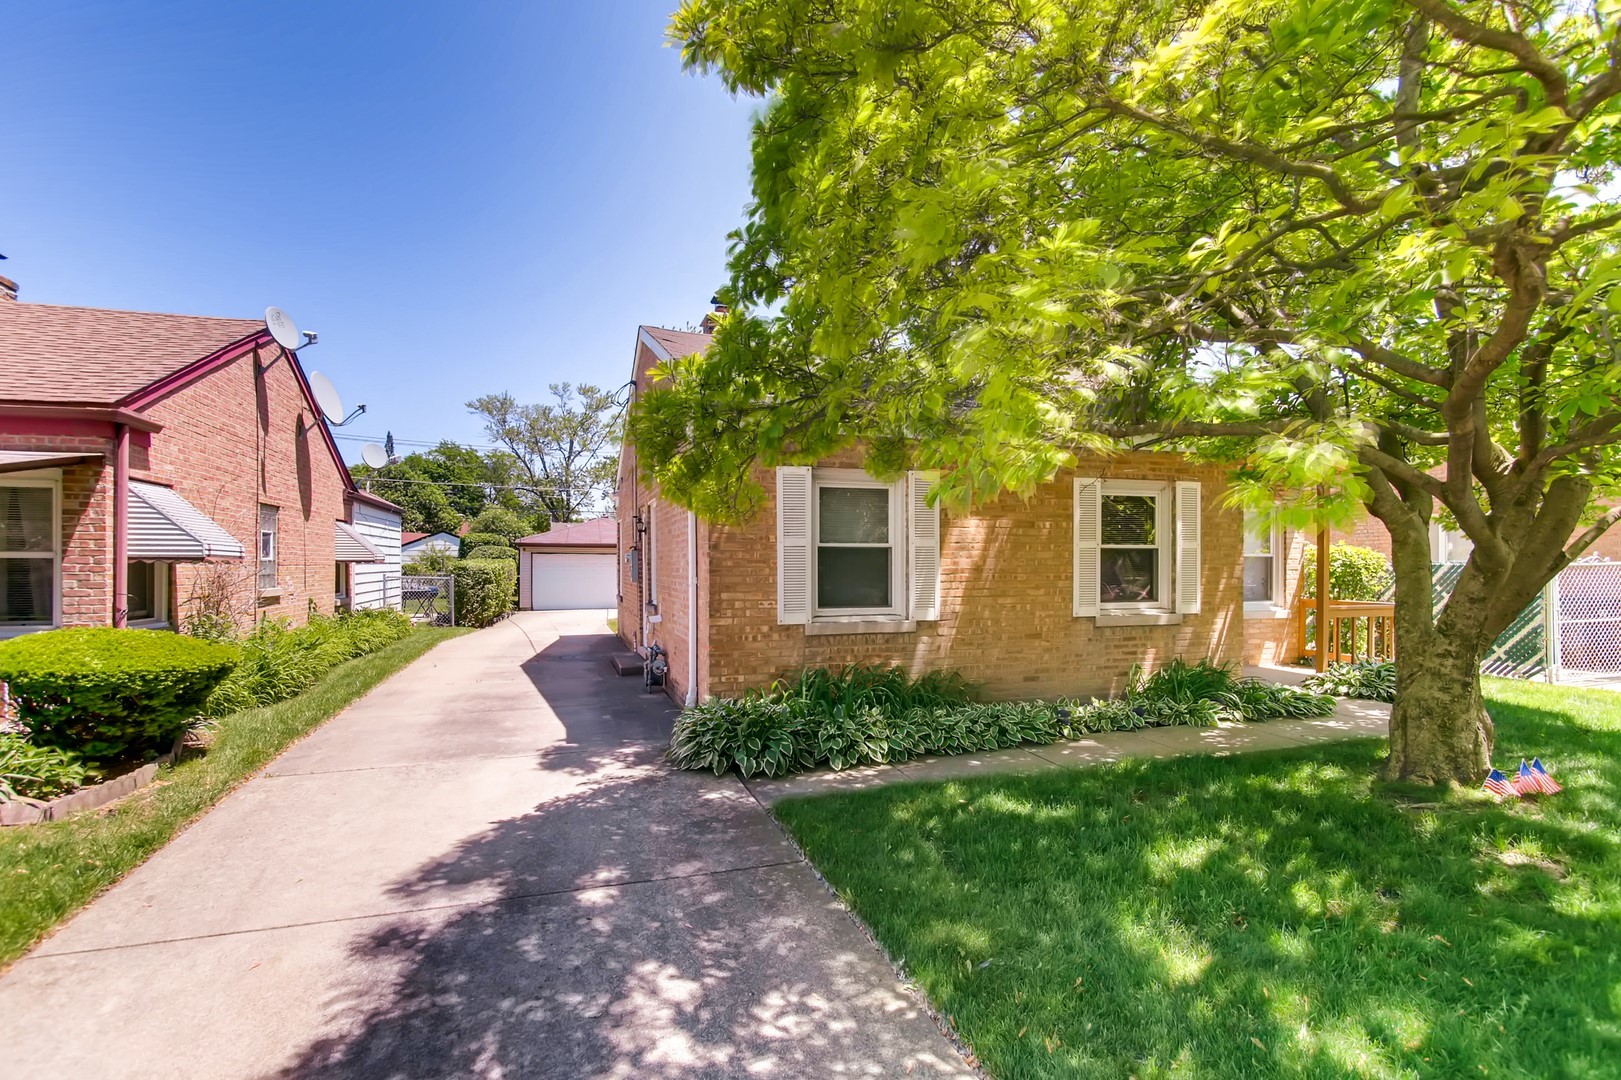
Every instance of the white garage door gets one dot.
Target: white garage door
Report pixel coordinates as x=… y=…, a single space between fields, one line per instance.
x=566 y=581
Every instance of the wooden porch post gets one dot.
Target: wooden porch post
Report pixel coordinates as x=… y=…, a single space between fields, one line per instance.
x=1322 y=598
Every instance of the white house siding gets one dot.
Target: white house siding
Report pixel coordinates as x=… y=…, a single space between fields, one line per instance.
x=377 y=585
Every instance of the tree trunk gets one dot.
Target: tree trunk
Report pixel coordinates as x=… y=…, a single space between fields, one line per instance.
x=1439 y=730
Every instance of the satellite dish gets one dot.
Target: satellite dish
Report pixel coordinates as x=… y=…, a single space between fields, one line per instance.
x=326 y=396
x=374 y=455
x=283 y=329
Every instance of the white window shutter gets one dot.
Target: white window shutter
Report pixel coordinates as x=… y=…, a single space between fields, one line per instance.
x=1088 y=539
x=1189 y=526
x=923 y=547
x=793 y=543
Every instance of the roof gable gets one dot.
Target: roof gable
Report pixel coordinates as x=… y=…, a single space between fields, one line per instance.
x=598 y=532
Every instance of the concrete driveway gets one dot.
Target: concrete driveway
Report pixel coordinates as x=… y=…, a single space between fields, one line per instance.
x=480 y=869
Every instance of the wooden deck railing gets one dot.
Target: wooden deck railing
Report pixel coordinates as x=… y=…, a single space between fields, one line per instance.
x=1357 y=630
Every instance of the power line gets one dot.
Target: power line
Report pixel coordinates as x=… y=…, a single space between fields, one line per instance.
x=547 y=487
x=414 y=442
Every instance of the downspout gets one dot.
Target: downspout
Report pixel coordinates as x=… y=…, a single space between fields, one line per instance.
x=121 y=529
x=692 y=609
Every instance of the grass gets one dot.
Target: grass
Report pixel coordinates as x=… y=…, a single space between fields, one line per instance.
x=1275 y=914
x=52 y=870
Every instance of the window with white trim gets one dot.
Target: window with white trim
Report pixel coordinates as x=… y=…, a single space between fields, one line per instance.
x=859 y=565
x=1135 y=551
x=1262 y=543
x=268 y=516
x=30 y=554
x=147 y=594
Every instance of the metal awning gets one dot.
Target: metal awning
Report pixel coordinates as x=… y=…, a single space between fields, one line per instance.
x=163 y=526
x=18 y=460
x=350 y=546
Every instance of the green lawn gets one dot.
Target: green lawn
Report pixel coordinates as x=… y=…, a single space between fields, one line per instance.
x=47 y=872
x=1275 y=914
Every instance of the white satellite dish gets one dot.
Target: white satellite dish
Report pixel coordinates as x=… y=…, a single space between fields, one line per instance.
x=374 y=455
x=283 y=329
x=326 y=396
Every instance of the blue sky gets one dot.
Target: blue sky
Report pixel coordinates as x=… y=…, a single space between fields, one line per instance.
x=461 y=198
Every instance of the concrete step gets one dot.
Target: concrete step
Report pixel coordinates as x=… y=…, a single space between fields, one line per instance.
x=627 y=663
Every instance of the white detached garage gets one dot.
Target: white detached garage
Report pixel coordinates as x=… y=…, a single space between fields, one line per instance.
x=570 y=566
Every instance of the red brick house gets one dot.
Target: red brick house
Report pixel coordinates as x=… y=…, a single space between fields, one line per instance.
x=1126 y=560
x=154 y=464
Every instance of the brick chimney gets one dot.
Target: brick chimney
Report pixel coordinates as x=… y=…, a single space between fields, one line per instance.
x=8 y=289
x=710 y=321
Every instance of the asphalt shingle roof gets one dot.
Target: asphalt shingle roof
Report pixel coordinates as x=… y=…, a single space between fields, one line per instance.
x=598 y=532
x=94 y=356
x=679 y=343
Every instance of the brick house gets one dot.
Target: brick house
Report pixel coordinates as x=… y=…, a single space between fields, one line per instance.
x=1126 y=560
x=149 y=462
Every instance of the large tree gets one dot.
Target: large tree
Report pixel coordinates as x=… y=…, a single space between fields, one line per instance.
x=564 y=450
x=1366 y=250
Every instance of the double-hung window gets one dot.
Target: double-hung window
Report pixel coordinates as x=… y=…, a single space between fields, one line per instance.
x=267 y=548
x=1261 y=543
x=856 y=551
x=859 y=566
x=1135 y=560
x=1137 y=547
x=30 y=554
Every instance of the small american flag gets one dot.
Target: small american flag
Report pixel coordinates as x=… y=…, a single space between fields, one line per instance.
x=1545 y=783
x=1525 y=781
x=1498 y=785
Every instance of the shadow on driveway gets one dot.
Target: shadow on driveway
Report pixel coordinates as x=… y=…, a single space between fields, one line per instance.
x=650 y=923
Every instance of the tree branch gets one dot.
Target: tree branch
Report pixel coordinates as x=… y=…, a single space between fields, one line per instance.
x=1470 y=32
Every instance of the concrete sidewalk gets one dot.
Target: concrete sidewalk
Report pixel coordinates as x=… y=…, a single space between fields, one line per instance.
x=1350 y=720
x=480 y=869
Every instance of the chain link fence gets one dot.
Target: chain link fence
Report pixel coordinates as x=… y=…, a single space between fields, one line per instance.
x=1570 y=634
x=429 y=598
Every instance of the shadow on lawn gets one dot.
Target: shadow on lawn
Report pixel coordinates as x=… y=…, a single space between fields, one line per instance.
x=1251 y=916
x=649 y=923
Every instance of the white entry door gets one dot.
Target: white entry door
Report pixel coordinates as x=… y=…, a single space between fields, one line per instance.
x=567 y=581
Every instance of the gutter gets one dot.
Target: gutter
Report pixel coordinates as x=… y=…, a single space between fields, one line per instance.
x=692 y=609
x=121 y=529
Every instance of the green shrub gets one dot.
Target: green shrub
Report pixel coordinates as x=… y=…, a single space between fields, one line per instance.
x=1371 y=680
x=37 y=772
x=1354 y=573
x=101 y=692
x=478 y=539
x=484 y=590
x=429 y=563
x=500 y=521
x=490 y=551
x=279 y=662
x=875 y=715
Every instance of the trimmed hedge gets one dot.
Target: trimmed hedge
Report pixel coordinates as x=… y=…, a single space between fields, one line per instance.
x=101 y=692
x=874 y=716
x=490 y=551
x=484 y=590
x=482 y=539
x=279 y=661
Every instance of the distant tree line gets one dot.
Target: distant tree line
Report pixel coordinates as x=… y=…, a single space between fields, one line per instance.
x=556 y=462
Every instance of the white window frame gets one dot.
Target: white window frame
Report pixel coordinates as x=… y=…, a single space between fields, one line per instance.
x=1280 y=545
x=1164 y=545
x=899 y=555
x=274 y=533
x=163 y=618
x=54 y=483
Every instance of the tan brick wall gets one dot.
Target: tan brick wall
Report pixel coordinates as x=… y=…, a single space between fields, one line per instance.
x=669 y=625
x=1006 y=599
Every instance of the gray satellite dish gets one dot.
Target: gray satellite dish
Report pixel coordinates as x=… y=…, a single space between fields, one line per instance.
x=374 y=455
x=283 y=329
x=326 y=396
